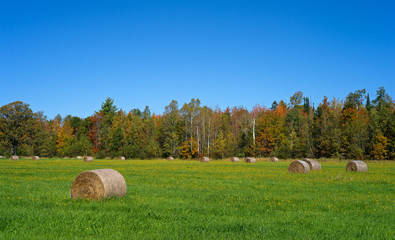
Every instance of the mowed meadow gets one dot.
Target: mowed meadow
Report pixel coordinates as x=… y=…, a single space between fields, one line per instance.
x=192 y=200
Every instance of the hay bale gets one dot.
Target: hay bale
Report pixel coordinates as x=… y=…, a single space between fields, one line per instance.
x=273 y=159
x=98 y=184
x=2 y=157
x=170 y=159
x=204 y=159
x=250 y=160
x=299 y=167
x=356 y=166
x=35 y=158
x=88 y=159
x=79 y=157
x=14 y=158
x=235 y=159
x=122 y=158
x=313 y=164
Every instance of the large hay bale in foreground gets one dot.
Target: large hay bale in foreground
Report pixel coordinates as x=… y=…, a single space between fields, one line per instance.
x=235 y=159
x=204 y=159
x=250 y=160
x=88 y=159
x=79 y=157
x=14 y=158
x=356 y=166
x=313 y=164
x=299 y=167
x=98 y=184
x=273 y=159
x=36 y=158
x=170 y=159
x=122 y=158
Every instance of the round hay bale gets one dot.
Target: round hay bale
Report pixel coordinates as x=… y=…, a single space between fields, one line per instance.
x=98 y=184
x=250 y=160
x=122 y=158
x=313 y=164
x=235 y=159
x=204 y=159
x=299 y=167
x=273 y=159
x=170 y=159
x=2 y=157
x=356 y=166
x=79 y=157
x=14 y=158
x=35 y=158
x=88 y=159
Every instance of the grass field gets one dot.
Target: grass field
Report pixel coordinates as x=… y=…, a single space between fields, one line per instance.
x=192 y=200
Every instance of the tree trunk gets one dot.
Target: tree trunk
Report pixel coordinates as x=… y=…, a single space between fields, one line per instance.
x=198 y=137
x=191 y=132
x=253 y=130
x=203 y=134
x=208 y=139
x=15 y=150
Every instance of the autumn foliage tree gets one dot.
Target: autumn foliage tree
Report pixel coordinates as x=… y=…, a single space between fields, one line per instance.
x=189 y=149
x=354 y=123
x=356 y=128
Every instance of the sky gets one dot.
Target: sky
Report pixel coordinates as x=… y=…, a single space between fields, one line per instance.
x=67 y=57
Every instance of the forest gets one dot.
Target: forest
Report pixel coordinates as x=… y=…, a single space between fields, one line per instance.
x=353 y=128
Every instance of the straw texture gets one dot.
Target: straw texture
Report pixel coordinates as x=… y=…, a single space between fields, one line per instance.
x=313 y=164
x=356 y=166
x=250 y=160
x=88 y=159
x=234 y=159
x=299 y=167
x=98 y=184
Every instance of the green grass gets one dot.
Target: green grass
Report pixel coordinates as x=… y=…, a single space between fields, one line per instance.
x=193 y=200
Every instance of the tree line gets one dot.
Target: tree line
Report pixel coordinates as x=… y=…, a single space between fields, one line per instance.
x=354 y=128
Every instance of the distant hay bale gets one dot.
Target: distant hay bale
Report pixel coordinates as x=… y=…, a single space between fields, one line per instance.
x=79 y=157
x=273 y=159
x=250 y=160
x=14 y=158
x=2 y=157
x=204 y=159
x=98 y=184
x=313 y=164
x=170 y=159
x=88 y=159
x=356 y=166
x=299 y=167
x=122 y=158
x=235 y=159
x=35 y=158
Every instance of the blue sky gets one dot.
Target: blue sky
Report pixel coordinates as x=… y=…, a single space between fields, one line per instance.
x=67 y=57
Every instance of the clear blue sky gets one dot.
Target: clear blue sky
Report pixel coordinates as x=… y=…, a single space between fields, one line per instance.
x=67 y=57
